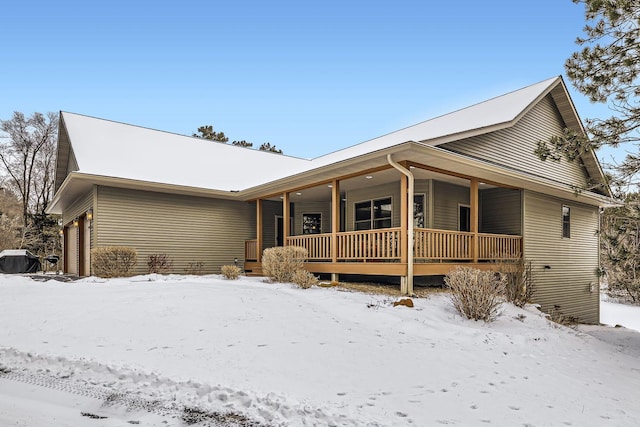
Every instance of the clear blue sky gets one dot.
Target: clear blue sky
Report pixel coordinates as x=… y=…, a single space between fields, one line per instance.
x=309 y=77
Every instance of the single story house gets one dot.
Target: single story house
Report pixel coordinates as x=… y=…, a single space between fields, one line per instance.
x=465 y=188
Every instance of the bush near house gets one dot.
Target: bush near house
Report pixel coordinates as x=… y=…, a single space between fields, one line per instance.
x=159 y=263
x=113 y=261
x=194 y=268
x=304 y=279
x=519 y=286
x=476 y=294
x=231 y=272
x=281 y=263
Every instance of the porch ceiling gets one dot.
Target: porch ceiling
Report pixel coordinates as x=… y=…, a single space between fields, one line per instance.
x=462 y=167
x=323 y=192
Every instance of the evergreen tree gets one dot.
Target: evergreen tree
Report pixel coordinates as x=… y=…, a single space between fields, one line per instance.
x=268 y=147
x=620 y=248
x=207 y=132
x=606 y=70
x=242 y=143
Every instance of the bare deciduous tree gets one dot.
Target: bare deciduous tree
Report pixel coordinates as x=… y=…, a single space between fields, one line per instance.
x=27 y=154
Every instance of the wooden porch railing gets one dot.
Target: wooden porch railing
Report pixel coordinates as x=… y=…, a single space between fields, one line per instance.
x=251 y=250
x=352 y=245
x=499 y=246
x=318 y=246
x=432 y=244
x=384 y=244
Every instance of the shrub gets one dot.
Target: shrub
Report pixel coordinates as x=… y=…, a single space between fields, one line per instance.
x=231 y=272
x=476 y=294
x=556 y=315
x=304 y=279
x=113 y=261
x=195 y=267
x=518 y=278
x=280 y=263
x=159 y=263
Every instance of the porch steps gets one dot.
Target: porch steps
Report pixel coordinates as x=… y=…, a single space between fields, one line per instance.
x=255 y=272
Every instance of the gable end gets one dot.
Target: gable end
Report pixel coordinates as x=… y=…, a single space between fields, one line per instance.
x=514 y=147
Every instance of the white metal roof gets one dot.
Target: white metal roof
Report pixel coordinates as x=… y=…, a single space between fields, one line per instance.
x=482 y=116
x=106 y=148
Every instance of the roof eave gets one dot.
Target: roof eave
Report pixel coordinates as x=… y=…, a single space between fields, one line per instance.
x=78 y=183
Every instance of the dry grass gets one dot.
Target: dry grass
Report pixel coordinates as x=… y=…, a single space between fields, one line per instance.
x=386 y=289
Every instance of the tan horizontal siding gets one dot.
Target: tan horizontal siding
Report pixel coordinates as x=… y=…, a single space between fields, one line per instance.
x=78 y=208
x=322 y=208
x=187 y=229
x=501 y=211
x=270 y=210
x=573 y=262
x=423 y=186
x=515 y=147
x=447 y=197
x=71 y=252
x=374 y=192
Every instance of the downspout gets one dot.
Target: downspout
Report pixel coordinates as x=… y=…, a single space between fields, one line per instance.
x=409 y=175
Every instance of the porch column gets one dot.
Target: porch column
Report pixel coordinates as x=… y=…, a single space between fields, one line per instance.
x=407 y=186
x=259 y=229
x=286 y=218
x=335 y=224
x=473 y=220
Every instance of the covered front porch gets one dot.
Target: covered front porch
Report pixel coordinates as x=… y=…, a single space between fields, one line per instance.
x=362 y=223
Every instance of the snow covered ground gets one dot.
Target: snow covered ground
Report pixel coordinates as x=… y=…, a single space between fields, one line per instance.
x=613 y=313
x=284 y=356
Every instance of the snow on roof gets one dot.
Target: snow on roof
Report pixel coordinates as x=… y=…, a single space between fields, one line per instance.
x=107 y=148
x=495 y=111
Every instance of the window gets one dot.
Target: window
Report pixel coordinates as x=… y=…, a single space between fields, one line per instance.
x=373 y=214
x=418 y=211
x=464 y=218
x=311 y=223
x=566 y=221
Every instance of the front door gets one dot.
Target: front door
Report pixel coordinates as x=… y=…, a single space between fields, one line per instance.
x=464 y=218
